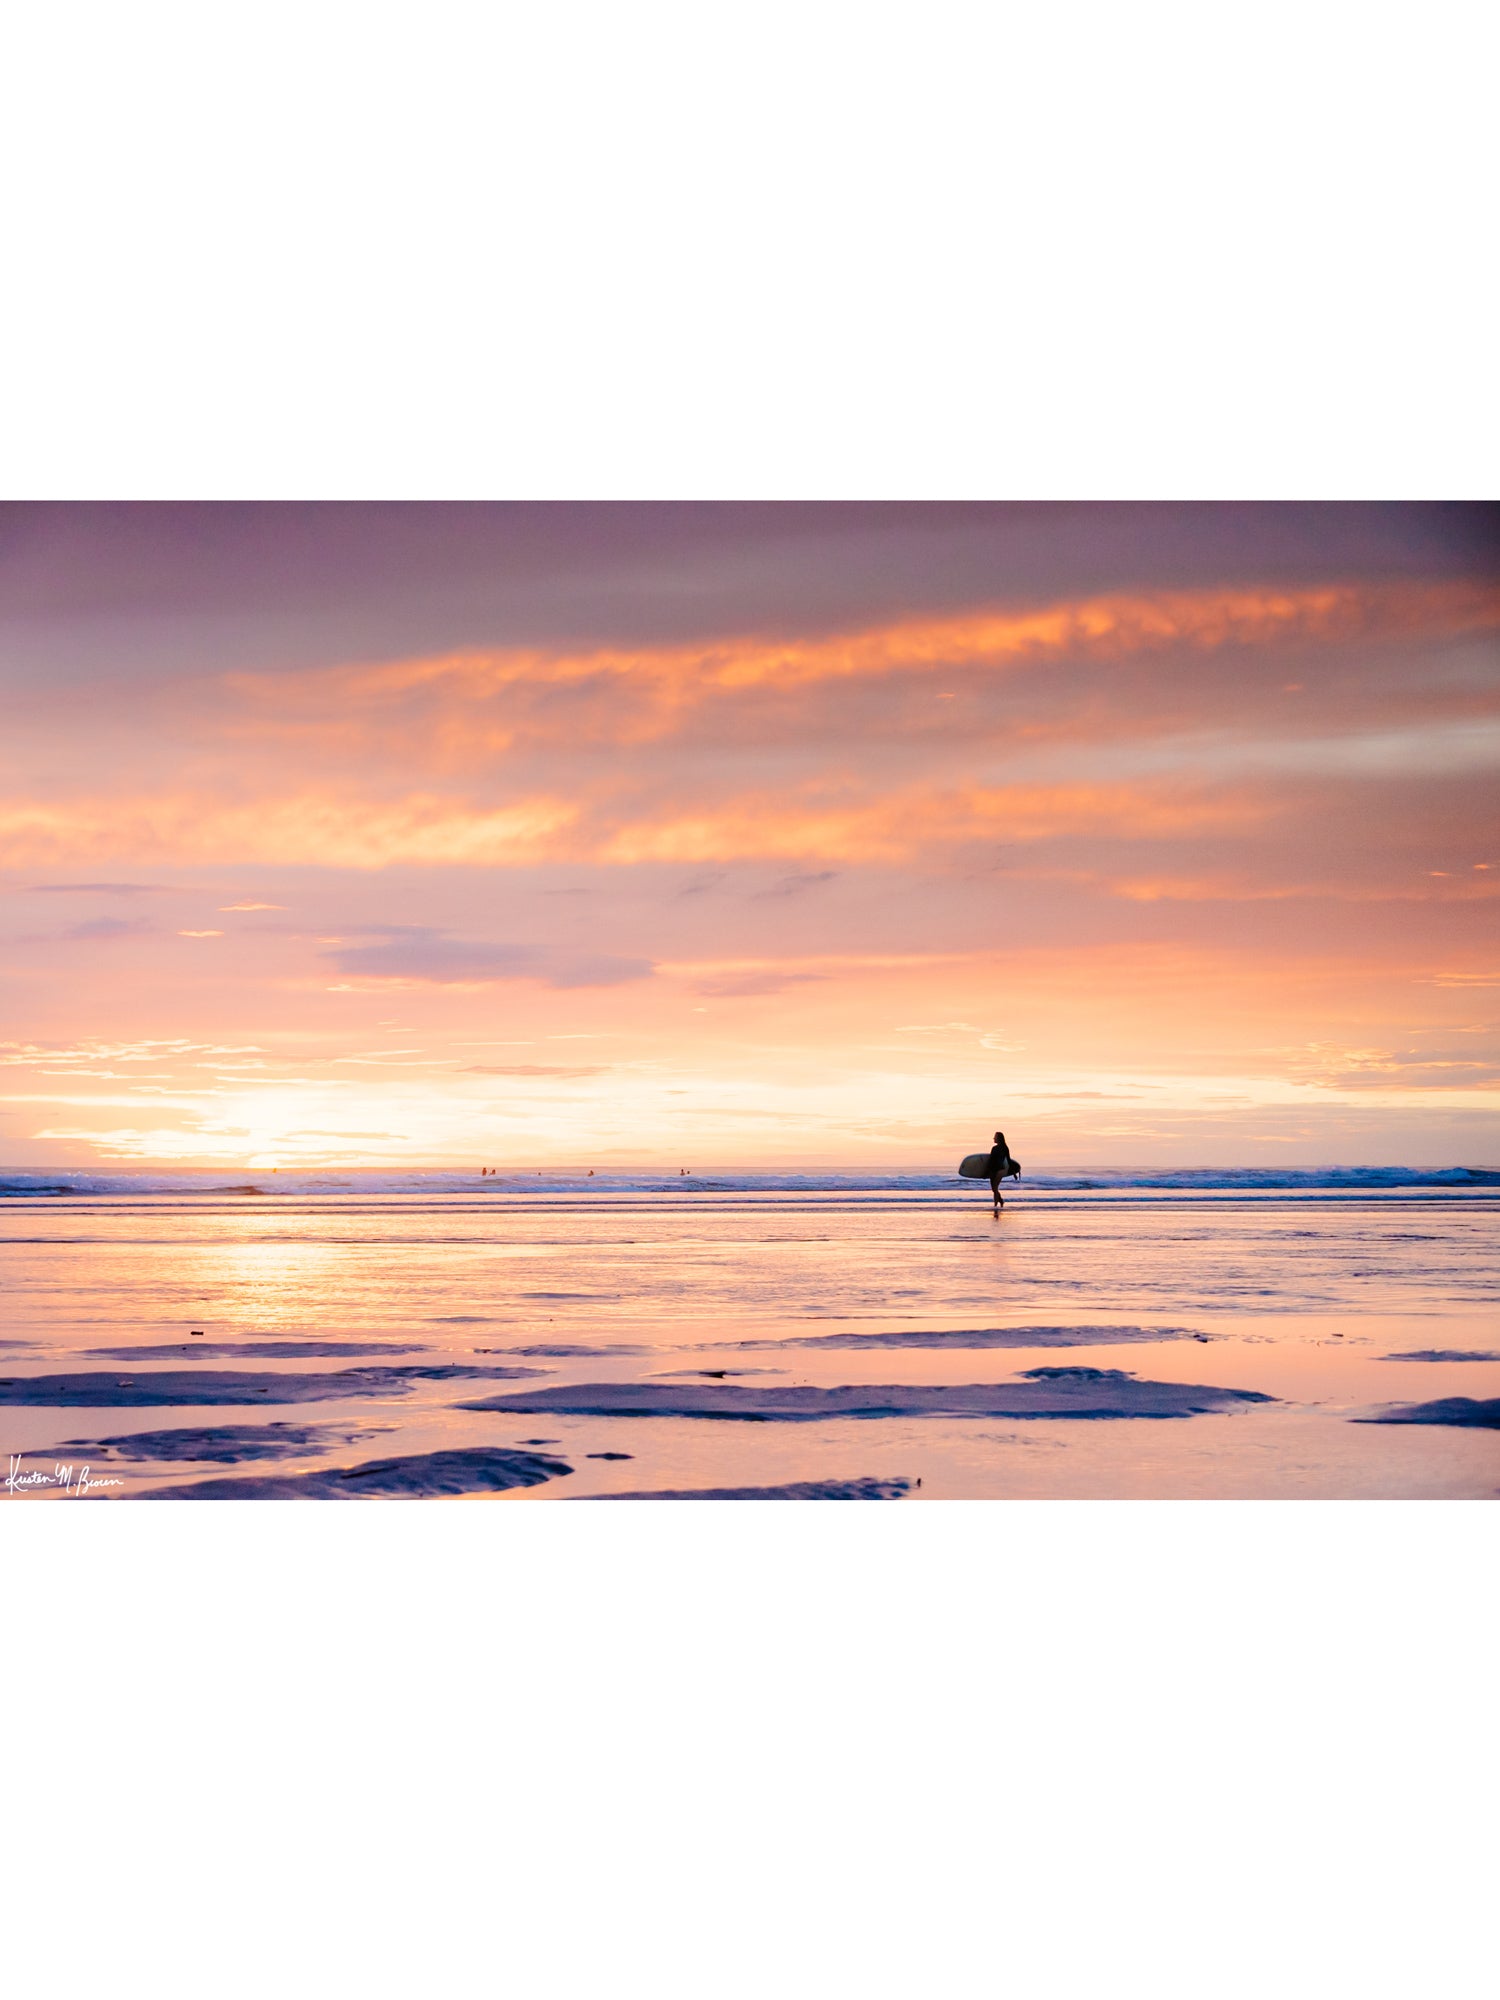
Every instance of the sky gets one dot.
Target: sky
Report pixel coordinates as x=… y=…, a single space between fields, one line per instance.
x=797 y=837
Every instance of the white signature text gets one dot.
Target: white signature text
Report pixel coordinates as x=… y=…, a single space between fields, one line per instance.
x=75 y=1480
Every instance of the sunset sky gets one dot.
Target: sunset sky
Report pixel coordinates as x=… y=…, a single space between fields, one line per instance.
x=749 y=837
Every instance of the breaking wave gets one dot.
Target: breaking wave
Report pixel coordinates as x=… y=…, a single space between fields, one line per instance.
x=437 y=1183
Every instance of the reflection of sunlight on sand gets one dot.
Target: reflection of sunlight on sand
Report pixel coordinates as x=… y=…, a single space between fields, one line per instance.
x=281 y=1284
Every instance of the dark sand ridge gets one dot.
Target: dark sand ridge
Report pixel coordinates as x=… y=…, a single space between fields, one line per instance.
x=1444 y=1354
x=188 y=1387
x=1046 y=1392
x=425 y=1475
x=712 y=1374
x=1462 y=1412
x=806 y=1489
x=561 y=1351
x=565 y=1350
x=984 y=1336
x=220 y=1444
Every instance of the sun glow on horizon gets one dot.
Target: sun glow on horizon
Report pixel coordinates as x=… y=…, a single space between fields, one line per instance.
x=1179 y=849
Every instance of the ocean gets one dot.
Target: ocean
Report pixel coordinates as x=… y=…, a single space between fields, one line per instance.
x=1236 y=1334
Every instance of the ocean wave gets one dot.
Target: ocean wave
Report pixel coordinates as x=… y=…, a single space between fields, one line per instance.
x=438 y=1183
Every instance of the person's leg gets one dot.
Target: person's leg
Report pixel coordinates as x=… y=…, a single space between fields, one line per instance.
x=995 y=1191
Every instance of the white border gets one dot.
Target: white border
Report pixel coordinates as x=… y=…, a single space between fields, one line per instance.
x=812 y=249
x=1046 y=1747
x=815 y=251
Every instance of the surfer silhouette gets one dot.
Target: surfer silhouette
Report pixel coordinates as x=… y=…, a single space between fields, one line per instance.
x=1000 y=1164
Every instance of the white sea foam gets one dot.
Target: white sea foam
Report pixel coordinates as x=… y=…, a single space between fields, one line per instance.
x=438 y=1183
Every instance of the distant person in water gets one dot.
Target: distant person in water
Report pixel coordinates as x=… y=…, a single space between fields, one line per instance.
x=1001 y=1164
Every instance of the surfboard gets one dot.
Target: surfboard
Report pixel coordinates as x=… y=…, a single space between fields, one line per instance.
x=977 y=1168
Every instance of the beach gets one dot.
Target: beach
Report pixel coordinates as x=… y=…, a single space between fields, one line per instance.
x=1157 y=1336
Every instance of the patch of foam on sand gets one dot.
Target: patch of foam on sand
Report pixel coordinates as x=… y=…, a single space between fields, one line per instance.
x=1044 y=1392
x=804 y=1489
x=423 y=1476
x=1463 y=1412
x=188 y=1387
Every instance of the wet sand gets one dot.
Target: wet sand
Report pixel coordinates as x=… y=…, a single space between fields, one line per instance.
x=756 y=1345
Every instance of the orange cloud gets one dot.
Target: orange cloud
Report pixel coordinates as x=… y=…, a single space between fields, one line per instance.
x=900 y=825
x=1107 y=627
x=1093 y=629
x=662 y=684
x=332 y=832
x=427 y=829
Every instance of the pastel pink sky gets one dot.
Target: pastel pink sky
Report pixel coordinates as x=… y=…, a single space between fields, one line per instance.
x=749 y=837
